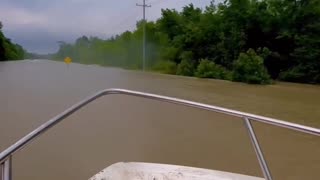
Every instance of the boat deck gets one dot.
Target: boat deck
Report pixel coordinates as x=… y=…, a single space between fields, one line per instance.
x=150 y=171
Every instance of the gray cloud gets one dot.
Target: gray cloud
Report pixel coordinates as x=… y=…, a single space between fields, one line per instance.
x=38 y=24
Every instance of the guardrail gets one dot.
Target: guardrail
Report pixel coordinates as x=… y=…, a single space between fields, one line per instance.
x=6 y=155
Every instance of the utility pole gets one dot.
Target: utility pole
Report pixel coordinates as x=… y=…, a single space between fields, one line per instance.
x=144 y=6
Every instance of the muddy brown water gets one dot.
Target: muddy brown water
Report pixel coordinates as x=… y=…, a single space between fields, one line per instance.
x=121 y=128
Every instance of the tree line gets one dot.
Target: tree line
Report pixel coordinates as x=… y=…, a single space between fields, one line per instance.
x=253 y=41
x=9 y=50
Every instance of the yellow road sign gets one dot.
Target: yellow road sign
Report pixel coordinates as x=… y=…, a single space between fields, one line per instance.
x=67 y=60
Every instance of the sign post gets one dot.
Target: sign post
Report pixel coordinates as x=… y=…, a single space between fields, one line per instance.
x=68 y=61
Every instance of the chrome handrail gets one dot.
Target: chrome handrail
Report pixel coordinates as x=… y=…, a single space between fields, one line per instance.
x=6 y=155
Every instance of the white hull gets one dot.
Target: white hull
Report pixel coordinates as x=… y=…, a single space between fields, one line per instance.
x=150 y=171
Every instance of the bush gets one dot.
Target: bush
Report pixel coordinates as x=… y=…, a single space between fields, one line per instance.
x=292 y=75
x=208 y=69
x=300 y=74
x=185 y=68
x=167 y=67
x=249 y=68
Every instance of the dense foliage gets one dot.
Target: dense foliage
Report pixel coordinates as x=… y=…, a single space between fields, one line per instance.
x=208 y=69
x=249 y=68
x=9 y=50
x=283 y=37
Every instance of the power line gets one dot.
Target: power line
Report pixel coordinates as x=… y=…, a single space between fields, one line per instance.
x=144 y=6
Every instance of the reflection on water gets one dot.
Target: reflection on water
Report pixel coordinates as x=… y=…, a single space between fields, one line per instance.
x=121 y=128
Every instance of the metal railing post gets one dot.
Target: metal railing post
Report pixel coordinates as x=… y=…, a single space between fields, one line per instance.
x=1 y=171
x=6 y=169
x=257 y=149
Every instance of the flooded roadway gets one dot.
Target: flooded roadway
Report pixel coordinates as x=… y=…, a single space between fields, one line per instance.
x=121 y=128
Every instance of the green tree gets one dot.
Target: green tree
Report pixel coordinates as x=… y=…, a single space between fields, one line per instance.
x=249 y=68
x=283 y=37
x=9 y=50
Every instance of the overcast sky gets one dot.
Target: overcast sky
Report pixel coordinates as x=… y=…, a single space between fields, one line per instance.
x=38 y=24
